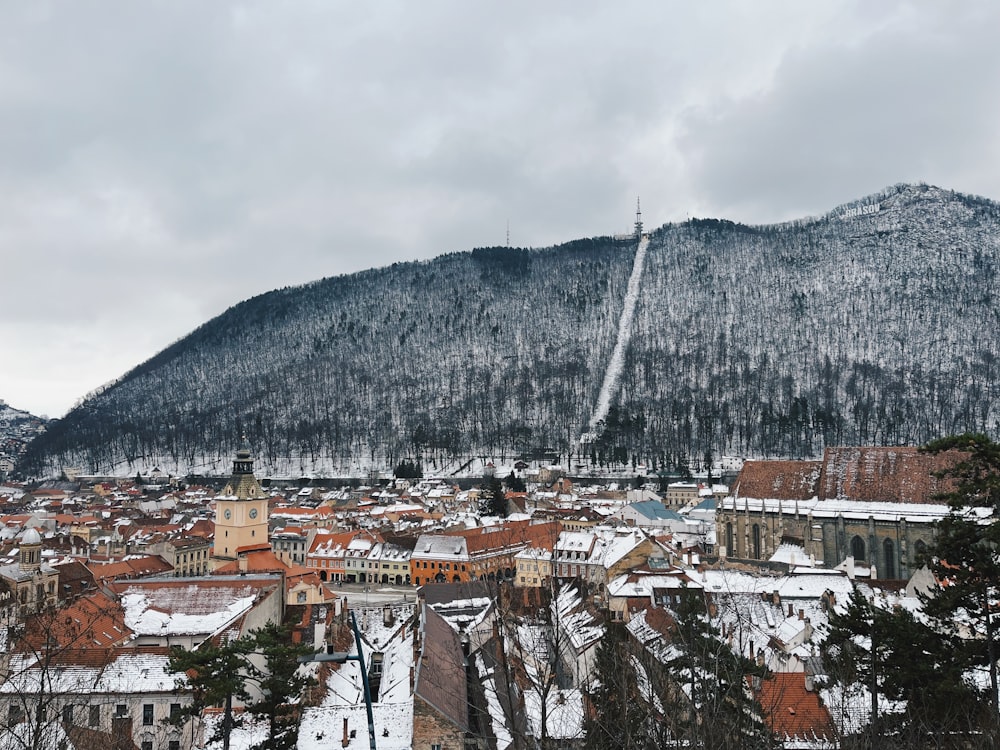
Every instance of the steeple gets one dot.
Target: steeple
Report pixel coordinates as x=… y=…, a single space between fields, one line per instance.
x=31 y=552
x=243 y=484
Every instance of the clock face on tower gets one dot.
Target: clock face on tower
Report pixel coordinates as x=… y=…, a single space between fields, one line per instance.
x=253 y=513
x=228 y=513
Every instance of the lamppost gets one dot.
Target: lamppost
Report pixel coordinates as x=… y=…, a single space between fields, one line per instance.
x=340 y=658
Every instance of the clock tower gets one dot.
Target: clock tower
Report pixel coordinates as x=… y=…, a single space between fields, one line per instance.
x=240 y=512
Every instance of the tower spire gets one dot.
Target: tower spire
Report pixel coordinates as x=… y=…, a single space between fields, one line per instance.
x=638 y=219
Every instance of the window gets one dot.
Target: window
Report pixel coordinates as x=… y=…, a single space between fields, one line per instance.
x=147 y=745
x=67 y=713
x=889 y=550
x=755 y=541
x=147 y=714
x=121 y=710
x=14 y=714
x=175 y=710
x=174 y=745
x=94 y=719
x=858 y=549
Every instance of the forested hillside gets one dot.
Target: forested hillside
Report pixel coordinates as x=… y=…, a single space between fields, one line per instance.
x=875 y=324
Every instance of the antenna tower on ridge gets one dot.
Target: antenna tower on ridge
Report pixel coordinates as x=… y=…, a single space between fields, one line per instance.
x=638 y=219
x=508 y=233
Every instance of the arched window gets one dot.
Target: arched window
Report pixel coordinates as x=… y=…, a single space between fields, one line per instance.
x=858 y=549
x=755 y=541
x=921 y=552
x=889 y=551
x=729 y=539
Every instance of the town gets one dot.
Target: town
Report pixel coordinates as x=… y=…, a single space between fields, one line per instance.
x=479 y=614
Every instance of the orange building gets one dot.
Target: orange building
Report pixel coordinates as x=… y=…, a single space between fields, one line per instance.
x=484 y=553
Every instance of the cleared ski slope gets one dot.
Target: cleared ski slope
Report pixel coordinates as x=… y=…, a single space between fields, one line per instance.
x=614 y=372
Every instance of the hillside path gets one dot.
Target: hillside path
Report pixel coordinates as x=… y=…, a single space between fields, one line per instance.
x=612 y=375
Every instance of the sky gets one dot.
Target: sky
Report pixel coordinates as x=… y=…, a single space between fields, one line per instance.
x=162 y=161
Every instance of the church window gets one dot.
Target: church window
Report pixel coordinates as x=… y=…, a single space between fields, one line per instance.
x=858 y=549
x=889 y=550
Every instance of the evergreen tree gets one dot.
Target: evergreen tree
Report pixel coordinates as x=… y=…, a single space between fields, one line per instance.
x=216 y=675
x=716 y=681
x=897 y=657
x=281 y=684
x=616 y=719
x=493 y=500
x=221 y=675
x=966 y=555
x=514 y=483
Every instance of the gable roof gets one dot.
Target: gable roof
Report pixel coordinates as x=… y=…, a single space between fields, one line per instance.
x=791 y=711
x=778 y=480
x=440 y=679
x=654 y=510
x=195 y=607
x=878 y=474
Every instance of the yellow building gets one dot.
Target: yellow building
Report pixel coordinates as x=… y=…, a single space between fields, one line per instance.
x=240 y=513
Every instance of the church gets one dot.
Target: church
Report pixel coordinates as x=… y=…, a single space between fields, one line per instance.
x=31 y=584
x=876 y=506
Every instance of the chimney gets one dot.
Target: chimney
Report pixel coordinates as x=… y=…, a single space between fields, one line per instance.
x=775 y=597
x=347 y=739
x=810 y=685
x=790 y=612
x=802 y=614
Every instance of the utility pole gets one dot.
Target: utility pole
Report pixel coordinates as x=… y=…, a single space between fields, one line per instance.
x=341 y=657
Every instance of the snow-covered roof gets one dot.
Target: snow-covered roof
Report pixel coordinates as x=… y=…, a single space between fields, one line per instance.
x=131 y=671
x=197 y=608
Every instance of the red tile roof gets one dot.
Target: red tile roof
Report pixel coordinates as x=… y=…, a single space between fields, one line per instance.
x=778 y=480
x=792 y=711
x=876 y=474
x=866 y=474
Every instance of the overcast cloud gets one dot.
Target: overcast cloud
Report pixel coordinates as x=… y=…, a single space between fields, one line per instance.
x=161 y=161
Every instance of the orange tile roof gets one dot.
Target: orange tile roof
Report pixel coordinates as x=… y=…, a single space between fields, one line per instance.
x=149 y=565
x=878 y=474
x=94 y=622
x=778 y=480
x=792 y=711
x=860 y=474
x=257 y=561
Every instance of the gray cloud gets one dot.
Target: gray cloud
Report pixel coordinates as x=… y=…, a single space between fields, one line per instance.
x=160 y=162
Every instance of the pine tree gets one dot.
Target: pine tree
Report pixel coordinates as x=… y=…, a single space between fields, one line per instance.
x=216 y=675
x=716 y=680
x=898 y=657
x=616 y=720
x=493 y=501
x=281 y=683
x=966 y=555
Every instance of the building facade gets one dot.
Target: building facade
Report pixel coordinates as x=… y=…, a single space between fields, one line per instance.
x=873 y=506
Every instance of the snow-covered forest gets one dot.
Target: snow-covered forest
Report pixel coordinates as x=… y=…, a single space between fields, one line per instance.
x=874 y=324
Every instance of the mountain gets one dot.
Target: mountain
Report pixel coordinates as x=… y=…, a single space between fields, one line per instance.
x=17 y=429
x=874 y=324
